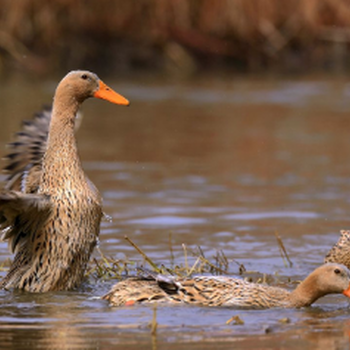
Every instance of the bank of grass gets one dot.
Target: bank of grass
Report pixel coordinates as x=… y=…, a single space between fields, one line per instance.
x=119 y=35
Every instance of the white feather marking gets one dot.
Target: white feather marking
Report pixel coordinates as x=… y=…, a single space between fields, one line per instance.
x=24 y=181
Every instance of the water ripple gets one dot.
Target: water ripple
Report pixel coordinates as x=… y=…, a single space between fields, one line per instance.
x=166 y=221
x=272 y=215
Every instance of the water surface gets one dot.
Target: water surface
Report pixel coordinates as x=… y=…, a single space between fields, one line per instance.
x=223 y=165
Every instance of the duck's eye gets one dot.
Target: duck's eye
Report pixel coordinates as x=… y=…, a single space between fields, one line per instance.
x=84 y=76
x=337 y=271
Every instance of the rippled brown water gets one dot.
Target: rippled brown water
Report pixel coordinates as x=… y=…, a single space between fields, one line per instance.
x=223 y=165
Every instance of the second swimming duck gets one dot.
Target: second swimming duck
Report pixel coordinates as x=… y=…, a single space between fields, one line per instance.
x=229 y=292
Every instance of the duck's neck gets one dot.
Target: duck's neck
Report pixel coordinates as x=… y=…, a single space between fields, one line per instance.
x=61 y=164
x=307 y=292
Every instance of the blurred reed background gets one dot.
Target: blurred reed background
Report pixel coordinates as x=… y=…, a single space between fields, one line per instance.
x=174 y=36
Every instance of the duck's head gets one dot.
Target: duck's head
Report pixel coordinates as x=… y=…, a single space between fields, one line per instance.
x=81 y=84
x=332 y=278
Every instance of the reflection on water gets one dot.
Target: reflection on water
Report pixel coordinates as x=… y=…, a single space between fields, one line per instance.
x=223 y=165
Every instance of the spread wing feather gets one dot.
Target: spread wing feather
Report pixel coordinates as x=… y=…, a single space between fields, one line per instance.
x=21 y=215
x=24 y=161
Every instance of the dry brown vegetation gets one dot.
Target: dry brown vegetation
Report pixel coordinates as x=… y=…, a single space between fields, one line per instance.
x=186 y=34
x=195 y=263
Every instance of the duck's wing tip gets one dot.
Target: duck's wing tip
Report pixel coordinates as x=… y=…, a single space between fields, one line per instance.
x=27 y=149
x=21 y=215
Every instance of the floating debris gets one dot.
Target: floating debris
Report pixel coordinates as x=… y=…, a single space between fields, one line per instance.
x=234 y=321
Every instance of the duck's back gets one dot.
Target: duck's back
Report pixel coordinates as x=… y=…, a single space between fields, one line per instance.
x=214 y=291
x=227 y=291
x=340 y=252
x=134 y=290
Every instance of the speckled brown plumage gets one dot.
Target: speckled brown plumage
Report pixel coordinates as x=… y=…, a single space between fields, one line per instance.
x=136 y=290
x=49 y=210
x=229 y=292
x=340 y=252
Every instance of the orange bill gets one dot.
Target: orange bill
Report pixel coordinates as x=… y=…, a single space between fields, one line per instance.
x=106 y=93
x=347 y=292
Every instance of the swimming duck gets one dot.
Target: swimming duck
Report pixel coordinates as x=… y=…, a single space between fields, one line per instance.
x=226 y=291
x=340 y=252
x=49 y=210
